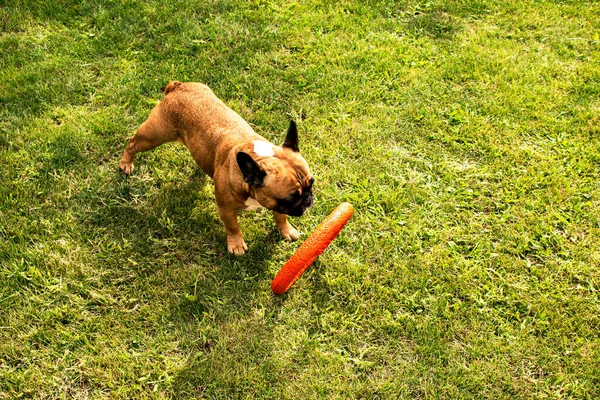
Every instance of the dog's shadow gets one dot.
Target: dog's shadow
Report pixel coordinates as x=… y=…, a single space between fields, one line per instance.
x=172 y=229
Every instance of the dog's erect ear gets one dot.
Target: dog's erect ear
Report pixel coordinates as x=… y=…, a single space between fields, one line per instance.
x=291 y=139
x=253 y=173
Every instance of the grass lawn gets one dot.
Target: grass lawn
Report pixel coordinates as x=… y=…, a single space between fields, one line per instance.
x=465 y=133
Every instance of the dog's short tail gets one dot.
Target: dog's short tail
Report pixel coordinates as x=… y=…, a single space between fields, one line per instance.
x=172 y=86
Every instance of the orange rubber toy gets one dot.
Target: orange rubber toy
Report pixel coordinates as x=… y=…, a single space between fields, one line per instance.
x=314 y=245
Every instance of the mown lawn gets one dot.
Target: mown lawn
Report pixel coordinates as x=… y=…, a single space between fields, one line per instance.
x=465 y=133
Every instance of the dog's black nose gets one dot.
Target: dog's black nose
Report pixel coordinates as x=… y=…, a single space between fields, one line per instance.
x=308 y=199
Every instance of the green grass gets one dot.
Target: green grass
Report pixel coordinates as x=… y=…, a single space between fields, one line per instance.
x=465 y=133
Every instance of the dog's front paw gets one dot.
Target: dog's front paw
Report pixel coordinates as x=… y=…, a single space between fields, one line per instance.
x=289 y=233
x=236 y=245
x=126 y=168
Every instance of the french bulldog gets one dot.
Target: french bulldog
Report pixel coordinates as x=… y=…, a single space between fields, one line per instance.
x=248 y=171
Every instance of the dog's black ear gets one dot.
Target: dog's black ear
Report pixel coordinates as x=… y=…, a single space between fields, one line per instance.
x=253 y=174
x=291 y=139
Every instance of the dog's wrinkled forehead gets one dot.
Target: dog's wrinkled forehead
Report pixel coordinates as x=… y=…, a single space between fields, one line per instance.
x=296 y=162
x=286 y=175
x=283 y=177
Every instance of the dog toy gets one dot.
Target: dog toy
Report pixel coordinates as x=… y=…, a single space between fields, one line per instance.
x=314 y=245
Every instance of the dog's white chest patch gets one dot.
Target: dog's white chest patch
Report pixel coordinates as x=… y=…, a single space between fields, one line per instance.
x=263 y=149
x=252 y=204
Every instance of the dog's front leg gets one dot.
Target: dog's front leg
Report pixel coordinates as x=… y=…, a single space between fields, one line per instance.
x=235 y=240
x=288 y=232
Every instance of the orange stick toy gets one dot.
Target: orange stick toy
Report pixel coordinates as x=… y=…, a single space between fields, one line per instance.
x=314 y=245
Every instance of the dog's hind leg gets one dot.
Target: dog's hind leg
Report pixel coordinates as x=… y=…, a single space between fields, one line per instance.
x=155 y=131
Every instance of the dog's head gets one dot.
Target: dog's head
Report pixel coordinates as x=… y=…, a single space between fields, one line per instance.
x=278 y=176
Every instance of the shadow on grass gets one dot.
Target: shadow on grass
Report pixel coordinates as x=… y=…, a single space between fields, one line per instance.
x=439 y=20
x=177 y=217
x=436 y=24
x=142 y=226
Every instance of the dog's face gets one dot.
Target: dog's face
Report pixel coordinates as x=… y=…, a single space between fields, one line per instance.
x=278 y=176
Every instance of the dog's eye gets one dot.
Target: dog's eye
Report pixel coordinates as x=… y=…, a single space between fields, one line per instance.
x=310 y=184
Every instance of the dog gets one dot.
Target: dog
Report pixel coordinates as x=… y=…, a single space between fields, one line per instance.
x=248 y=171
